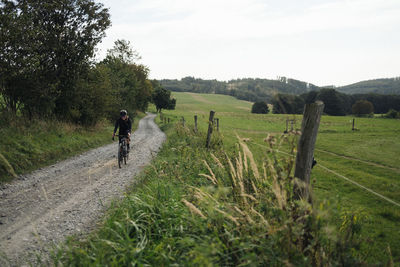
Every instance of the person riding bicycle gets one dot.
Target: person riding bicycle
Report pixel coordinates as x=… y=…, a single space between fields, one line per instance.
x=124 y=124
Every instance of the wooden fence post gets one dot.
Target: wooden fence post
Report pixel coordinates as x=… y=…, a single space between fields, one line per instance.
x=168 y=120
x=305 y=149
x=217 y=124
x=210 y=128
x=353 y=124
x=183 y=121
x=287 y=122
x=195 y=123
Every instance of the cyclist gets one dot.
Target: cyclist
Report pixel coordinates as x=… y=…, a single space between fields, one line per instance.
x=124 y=124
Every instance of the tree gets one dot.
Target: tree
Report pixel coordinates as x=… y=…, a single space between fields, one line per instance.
x=46 y=48
x=162 y=99
x=129 y=80
x=362 y=107
x=334 y=104
x=287 y=104
x=260 y=108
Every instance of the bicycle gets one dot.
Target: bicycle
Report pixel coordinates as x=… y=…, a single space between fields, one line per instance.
x=123 y=154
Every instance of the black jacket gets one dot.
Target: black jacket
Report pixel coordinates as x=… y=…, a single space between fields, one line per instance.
x=125 y=126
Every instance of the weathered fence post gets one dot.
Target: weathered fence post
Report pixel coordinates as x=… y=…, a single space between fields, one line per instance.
x=217 y=124
x=305 y=149
x=183 y=121
x=353 y=124
x=210 y=128
x=195 y=123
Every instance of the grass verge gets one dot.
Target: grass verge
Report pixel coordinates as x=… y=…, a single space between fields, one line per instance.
x=26 y=146
x=220 y=207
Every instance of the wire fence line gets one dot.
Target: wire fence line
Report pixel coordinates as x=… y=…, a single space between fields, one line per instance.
x=359 y=185
x=345 y=178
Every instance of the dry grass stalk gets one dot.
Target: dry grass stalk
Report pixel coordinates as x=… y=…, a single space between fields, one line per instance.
x=210 y=170
x=261 y=217
x=199 y=194
x=227 y=215
x=253 y=164
x=232 y=171
x=244 y=214
x=249 y=196
x=217 y=161
x=193 y=208
x=213 y=180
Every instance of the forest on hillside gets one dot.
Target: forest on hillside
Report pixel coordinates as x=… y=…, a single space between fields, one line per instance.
x=290 y=95
x=245 y=89
x=264 y=89
x=336 y=103
x=378 y=86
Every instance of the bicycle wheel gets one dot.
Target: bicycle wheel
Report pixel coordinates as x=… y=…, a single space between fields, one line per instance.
x=125 y=149
x=119 y=156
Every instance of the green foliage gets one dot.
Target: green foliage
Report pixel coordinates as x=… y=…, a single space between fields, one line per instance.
x=362 y=107
x=389 y=86
x=194 y=207
x=287 y=104
x=368 y=156
x=260 y=108
x=245 y=89
x=130 y=87
x=46 y=49
x=162 y=99
x=27 y=146
x=393 y=114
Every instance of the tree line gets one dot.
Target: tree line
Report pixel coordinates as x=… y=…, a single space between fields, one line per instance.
x=245 y=89
x=47 y=66
x=336 y=103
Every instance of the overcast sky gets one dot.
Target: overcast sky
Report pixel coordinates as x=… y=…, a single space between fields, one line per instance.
x=325 y=42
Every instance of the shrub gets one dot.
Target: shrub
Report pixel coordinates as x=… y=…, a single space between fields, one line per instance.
x=392 y=114
x=260 y=108
x=362 y=107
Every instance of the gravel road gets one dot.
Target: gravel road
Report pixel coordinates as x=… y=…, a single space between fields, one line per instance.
x=42 y=208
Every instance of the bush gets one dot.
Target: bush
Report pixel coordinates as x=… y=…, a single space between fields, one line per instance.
x=260 y=108
x=393 y=114
x=362 y=107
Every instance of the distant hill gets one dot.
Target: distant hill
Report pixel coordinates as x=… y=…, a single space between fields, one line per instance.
x=265 y=89
x=246 y=89
x=379 y=86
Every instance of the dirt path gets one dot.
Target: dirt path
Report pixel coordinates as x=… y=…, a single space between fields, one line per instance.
x=42 y=208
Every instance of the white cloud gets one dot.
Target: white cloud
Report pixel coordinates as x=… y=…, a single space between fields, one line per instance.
x=235 y=38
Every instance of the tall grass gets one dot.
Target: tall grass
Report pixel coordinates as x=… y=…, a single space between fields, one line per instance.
x=215 y=207
x=27 y=145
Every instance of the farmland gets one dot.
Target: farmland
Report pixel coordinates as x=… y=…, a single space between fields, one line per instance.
x=368 y=156
x=202 y=207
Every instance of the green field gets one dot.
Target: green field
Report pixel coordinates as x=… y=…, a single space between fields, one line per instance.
x=368 y=156
x=209 y=207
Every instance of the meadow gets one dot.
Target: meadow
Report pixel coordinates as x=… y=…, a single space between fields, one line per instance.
x=368 y=156
x=232 y=204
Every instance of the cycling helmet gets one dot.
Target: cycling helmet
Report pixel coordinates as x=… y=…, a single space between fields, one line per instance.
x=123 y=112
